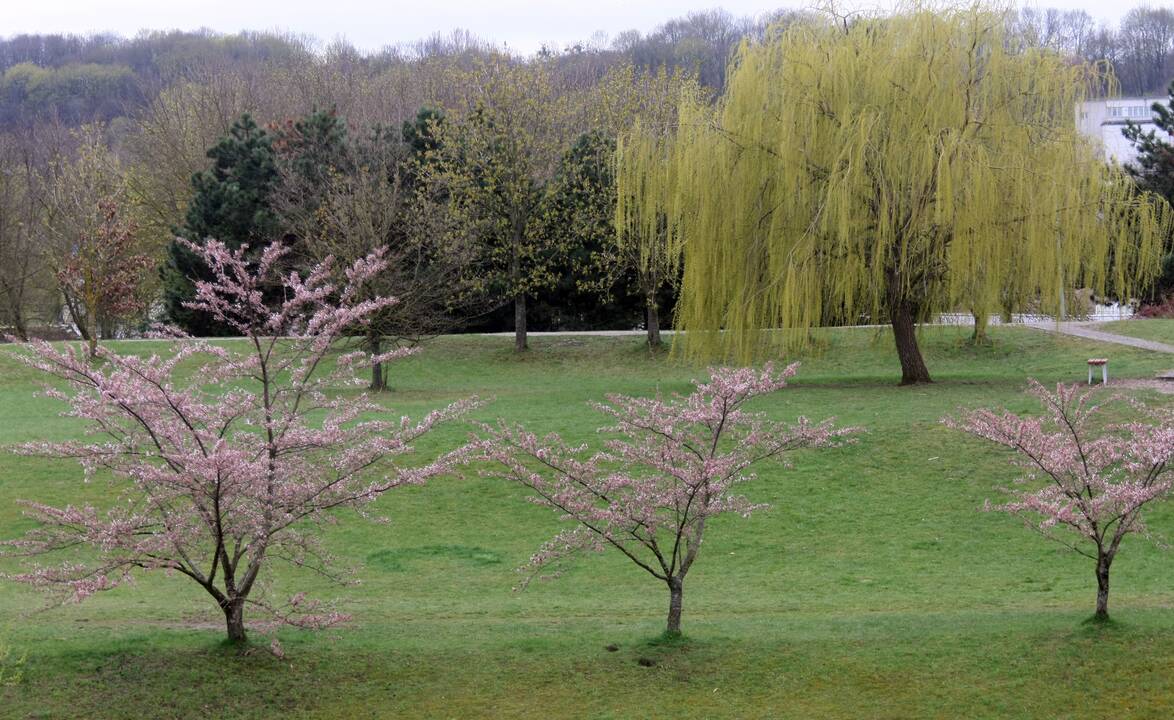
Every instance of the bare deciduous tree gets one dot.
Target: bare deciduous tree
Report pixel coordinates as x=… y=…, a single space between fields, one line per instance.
x=101 y=262
x=20 y=234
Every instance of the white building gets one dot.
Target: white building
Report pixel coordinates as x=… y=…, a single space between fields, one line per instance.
x=1103 y=121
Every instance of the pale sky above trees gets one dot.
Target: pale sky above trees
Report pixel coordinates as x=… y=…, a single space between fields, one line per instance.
x=523 y=25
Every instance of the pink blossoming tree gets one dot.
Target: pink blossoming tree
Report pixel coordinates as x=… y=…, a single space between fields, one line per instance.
x=238 y=467
x=1084 y=483
x=672 y=466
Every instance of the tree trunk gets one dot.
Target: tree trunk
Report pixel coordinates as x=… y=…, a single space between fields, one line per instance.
x=79 y=320
x=234 y=617
x=652 y=316
x=519 y=226
x=378 y=383
x=19 y=329
x=980 y=325
x=520 y=322
x=913 y=370
x=92 y=341
x=676 y=589
x=16 y=312
x=81 y=329
x=1103 y=564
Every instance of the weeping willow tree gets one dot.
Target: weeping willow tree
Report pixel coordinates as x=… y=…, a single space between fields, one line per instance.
x=892 y=168
x=643 y=239
x=639 y=109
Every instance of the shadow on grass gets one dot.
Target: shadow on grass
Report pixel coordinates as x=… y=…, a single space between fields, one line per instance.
x=669 y=641
x=395 y=559
x=659 y=648
x=1095 y=625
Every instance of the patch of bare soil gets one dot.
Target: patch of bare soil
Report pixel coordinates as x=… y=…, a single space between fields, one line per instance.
x=1163 y=386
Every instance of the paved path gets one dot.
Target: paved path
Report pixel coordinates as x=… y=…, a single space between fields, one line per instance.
x=1084 y=330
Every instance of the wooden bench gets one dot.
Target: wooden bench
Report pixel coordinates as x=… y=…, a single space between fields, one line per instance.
x=1103 y=363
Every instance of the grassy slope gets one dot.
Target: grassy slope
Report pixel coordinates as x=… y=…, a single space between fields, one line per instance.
x=1158 y=329
x=874 y=587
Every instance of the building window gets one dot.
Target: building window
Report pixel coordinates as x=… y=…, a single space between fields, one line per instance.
x=1139 y=112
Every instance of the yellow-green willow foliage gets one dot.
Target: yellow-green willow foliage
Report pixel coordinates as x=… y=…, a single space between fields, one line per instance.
x=645 y=173
x=642 y=108
x=643 y=237
x=892 y=168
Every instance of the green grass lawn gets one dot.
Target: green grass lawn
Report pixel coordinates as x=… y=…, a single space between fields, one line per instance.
x=1158 y=329
x=875 y=586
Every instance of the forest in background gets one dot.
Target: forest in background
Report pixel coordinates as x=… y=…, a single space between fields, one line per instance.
x=77 y=79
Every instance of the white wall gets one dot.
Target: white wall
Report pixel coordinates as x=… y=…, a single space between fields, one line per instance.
x=1103 y=121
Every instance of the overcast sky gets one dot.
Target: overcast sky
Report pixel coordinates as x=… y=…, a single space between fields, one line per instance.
x=523 y=25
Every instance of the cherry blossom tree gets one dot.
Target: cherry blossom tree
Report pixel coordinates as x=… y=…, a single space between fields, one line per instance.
x=672 y=465
x=1084 y=483
x=239 y=466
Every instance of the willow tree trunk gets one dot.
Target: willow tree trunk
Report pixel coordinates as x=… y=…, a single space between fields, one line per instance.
x=234 y=618
x=652 y=316
x=676 y=590
x=374 y=346
x=1103 y=564
x=903 y=319
x=981 y=319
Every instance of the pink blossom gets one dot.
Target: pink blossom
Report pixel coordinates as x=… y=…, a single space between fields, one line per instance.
x=1082 y=483
x=667 y=467
x=240 y=466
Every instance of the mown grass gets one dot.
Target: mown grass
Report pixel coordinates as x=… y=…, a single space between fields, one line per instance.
x=1158 y=329
x=874 y=587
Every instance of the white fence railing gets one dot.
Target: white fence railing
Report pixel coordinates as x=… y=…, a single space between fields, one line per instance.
x=1101 y=312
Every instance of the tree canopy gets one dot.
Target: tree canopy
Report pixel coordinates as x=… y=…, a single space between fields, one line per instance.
x=231 y=203
x=1153 y=170
x=886 y=169
x=1154 y=167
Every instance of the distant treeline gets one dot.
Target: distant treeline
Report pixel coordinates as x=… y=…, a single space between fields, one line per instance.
x=99 y=77
x=78 y=79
